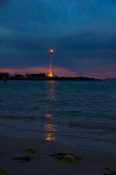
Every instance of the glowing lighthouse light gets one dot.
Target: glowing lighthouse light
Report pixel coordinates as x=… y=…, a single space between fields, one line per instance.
x=51 y=53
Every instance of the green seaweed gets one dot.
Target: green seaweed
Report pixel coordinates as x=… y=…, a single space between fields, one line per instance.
x=2 y=171
x=29 y=151
x=22 y=158
x=111 y=169
x=66 y=158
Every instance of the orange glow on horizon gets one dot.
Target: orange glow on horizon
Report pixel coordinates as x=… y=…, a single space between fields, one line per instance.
x=59 y=71
x=50 y=74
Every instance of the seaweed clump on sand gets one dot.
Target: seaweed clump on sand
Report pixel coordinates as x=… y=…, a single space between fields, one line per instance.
x=22 y=158
x=30 y=151
x=111 y=170
x=2 y=171
x=66 y=158
x=27 y=157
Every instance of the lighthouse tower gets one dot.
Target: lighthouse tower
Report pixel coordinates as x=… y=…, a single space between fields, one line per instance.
x=51 y=53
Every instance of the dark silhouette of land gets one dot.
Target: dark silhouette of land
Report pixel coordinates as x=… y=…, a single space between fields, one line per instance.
x=39 y=76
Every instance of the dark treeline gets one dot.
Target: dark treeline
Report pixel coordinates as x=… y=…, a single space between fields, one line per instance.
x=39 y=76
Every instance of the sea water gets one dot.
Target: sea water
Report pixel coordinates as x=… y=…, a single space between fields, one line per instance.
x=78 y=113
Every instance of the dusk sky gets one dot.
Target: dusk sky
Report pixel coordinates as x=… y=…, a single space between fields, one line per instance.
x=82 y=32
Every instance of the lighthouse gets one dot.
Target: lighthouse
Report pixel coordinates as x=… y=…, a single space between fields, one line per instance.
x=51 y=53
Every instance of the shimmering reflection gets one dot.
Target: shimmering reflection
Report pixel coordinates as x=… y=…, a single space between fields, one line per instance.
x=50 y=130
x=49 y=117
x=51 y=90
x=50 y=126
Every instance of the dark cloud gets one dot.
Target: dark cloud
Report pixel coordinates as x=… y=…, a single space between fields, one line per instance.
x=3 y=3
x=83 y=34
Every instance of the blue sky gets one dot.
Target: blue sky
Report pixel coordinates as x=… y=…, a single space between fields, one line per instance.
x=83 y=34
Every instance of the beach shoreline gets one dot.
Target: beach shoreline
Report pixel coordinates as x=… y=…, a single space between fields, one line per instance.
x=92 y=163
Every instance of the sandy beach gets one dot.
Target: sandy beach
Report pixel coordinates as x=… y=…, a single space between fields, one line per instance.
x=41 y=162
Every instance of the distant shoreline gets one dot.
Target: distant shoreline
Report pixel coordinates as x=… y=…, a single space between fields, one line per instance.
x=60 y=79
x=53 y=79
x=40 y=76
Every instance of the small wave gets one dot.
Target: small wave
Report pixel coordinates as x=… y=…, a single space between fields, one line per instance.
x=92 y=126
x=12 y=117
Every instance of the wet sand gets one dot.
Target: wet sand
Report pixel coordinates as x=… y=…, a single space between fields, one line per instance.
x=41 y=163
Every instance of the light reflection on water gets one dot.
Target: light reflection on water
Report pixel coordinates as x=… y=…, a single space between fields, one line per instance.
x=70 y=112
x=51 y=90
x=50 y=130
x=50 y=127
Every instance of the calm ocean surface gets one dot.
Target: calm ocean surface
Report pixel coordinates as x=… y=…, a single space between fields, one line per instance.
x=79 y=113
